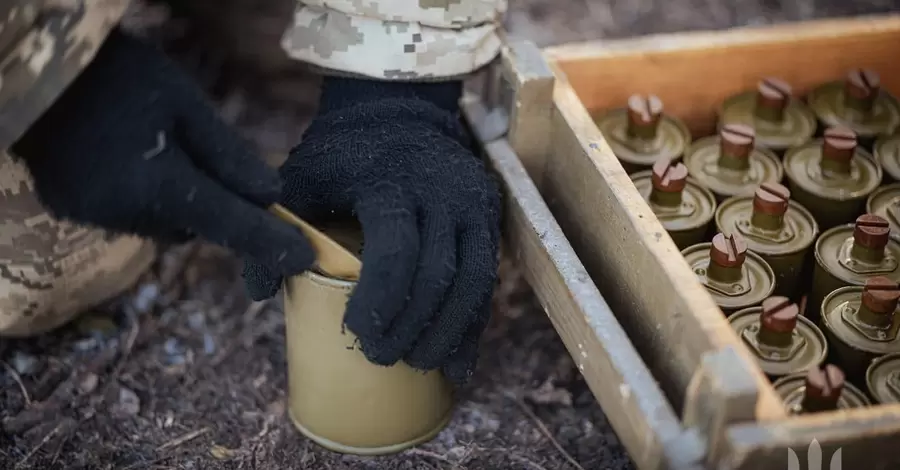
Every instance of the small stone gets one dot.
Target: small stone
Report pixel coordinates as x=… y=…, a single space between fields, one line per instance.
x=196 y=320
x=146 y=297
x=174 y=352
x=128 y=405
x=89 y=383
x=87 y=344
x=24 y=364
x=221 y=453
x=209 y=344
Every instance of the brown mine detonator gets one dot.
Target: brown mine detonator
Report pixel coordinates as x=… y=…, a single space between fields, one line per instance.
x=818 y=390
x=735 y=277
x=857 y=102
x=683 y=206
x=861 y=324
x=832 y=177
x=780 y=121
x=336 y=397
x=883 y=379
x=850 y=254
x=781 y=231
x=783 y=342
x=641 y=134
x=729 y=164
x=885 y=203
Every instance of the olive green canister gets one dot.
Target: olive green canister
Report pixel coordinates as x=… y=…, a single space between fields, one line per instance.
x=818 y=390
x=781 y=231
x=640 y=134
x=832 y=177
x=683 y=206
x=857 y=102
x=729 y=164
x=886 y=150
x=883 y=379
x=780 y=121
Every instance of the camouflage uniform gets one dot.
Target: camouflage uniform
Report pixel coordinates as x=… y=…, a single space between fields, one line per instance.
x=50 y=270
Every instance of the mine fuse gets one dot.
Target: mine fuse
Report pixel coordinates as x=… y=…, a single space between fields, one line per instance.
x=781 y=122
x=861 y=324
x=887 y=153
x=641 y=133
x=885 y=202
x=683 y=206
x=832 y=177
x=735 y=277
x=857 y=102
x=849 y=254
x=781 y=231
x=730 y=164
x=783 y=342
x=818 y=390
x=883 y=379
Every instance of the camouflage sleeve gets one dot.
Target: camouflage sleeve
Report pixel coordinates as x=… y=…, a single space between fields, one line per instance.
x=414 y=40
x=44 y=44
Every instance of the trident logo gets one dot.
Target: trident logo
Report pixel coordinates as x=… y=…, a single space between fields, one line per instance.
x=814 y=458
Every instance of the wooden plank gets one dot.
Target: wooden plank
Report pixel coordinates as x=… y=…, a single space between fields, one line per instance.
x=693 y=72
x=867 y=439
x=670 y=316
x=626 y=390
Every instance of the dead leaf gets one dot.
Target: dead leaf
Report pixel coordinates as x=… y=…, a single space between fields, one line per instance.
x=221 y=453
x=548 y=394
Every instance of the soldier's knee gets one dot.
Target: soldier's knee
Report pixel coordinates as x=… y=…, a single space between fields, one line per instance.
x=51 y=270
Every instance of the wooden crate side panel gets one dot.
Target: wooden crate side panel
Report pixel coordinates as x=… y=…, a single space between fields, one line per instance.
x=693 y=72
x=626 y=390
x=669 y=315
x=867 y=439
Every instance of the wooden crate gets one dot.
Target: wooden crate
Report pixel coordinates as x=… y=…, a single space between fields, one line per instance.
x=572 y=212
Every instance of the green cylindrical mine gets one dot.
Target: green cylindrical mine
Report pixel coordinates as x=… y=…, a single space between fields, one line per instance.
x=861 y=324
x=683 y=206
x=832 y=177
x=729 y=164
x=735 y=277
x=781 y=122
x=781 y=231
x=883 y=379
x=641 y=134
x=885 y=203
x=887 y=153
x=849 y=254
x=858 y=102
x=818 y=390
x=783 y=342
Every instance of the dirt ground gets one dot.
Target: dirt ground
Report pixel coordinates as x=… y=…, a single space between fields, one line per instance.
x=185 y=373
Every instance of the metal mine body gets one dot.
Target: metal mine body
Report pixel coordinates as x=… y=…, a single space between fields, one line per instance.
x=641 y=134
x=783 y=241
x=780 y=122
x=744 y=284
x=883 y=379
x=792 y=388
x=854 y=341
x=840 y=262
x=886 y=151
x=727 y=176
x=834 y=192
x=804 y=347
x=337 y=397
x=885 y=202
x=685 y=213
x=858 y=103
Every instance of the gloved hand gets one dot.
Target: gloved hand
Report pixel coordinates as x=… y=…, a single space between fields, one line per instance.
x=395 y=156
x=134 y=147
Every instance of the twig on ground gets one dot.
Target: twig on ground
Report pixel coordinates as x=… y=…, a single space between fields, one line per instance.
x=18 y=379
x=40 y=444
x=546 y=432
x=530 y=463
x=430 y=455
x=182 y=439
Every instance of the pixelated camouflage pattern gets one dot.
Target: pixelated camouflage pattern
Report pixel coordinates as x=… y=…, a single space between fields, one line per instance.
x=51 y=270
x=45 y=44
x=413 y=40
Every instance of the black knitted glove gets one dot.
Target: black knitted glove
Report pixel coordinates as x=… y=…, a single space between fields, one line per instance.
x=134 y=147
x=395 y=156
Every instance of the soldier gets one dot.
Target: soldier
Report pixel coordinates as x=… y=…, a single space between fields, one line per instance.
x=111 y=147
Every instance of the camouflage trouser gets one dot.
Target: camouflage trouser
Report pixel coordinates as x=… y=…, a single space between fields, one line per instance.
x=52 y=270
